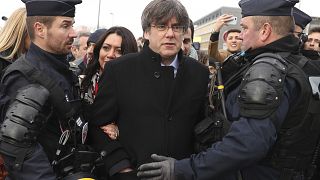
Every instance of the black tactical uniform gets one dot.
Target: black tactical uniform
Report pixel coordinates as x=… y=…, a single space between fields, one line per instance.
x=57 y=68
x=33 y=119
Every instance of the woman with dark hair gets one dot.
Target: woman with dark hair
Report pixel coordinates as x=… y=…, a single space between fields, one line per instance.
x=116 y=42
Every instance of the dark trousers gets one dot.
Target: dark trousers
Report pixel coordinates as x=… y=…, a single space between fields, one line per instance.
x=36 y=167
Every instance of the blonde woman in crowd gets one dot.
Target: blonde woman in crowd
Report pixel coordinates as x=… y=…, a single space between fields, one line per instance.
x=14 y=39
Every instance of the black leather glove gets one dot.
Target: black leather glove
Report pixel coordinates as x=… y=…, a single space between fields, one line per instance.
x=163 y=168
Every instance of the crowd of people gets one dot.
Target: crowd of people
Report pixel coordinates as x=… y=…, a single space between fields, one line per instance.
x=76 y=104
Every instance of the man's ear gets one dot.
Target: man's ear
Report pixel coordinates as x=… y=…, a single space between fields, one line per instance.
x=146 y=34
x=265 y=32
x=40 y=30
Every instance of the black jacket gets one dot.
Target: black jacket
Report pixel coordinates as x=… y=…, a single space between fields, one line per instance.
x=3 y=62
x=155 y=112
x=56 y=67
x=249 y=140
x=313 y=55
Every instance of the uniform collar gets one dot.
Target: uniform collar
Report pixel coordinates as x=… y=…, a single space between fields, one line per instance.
x=58 y=62
x=285 y=44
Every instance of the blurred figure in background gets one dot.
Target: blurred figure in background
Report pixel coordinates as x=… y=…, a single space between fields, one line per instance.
x=14 y=39
x=82 y=31
x=207 y=61
x=313 y=39
x=140 y=42
x=79 y=45
x=312 y=46
x=231 y=37
x=301 y=21
x=188 y=49
x=91 y=43
x=79 y=50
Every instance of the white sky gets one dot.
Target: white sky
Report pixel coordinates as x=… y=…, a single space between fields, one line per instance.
x=127 y=13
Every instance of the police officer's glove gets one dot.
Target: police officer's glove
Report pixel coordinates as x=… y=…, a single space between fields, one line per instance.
x=162 y=169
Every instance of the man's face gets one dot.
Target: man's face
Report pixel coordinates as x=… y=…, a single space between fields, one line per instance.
x=233 y=42
x=186 y=44
x=79 y=51
x=249 y=34
x=82 y=46
x=313 y=42
x=165 y=42
x=59 y=37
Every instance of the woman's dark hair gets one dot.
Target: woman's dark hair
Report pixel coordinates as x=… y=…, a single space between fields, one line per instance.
x=128 y=45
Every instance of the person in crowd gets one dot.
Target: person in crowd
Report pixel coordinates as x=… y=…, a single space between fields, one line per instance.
x=312 y=67
x=203 y=57
x=311 y=46
x=14 y=39
x=115 y=42
x=91 y=43
x=313 y=39
x=265 y=123
x=79 y=45
x=28 y=153
x=79 y=50
x=207 y=61
x=83 y=31
x=140 y=42
x=231 y=38
x=153 y=96
x=187 y=47
x=301 y=21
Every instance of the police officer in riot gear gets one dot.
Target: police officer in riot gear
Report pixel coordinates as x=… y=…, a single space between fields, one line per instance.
x=267 y=102
x=311 y=66
x=301 y=20
x=33 y=122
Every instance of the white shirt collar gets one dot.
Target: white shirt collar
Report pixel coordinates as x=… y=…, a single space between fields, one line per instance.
x=174 y=64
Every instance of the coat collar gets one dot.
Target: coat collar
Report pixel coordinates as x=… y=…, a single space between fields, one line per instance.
x=286 y=44
x=156 y=56
x=58 y=62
